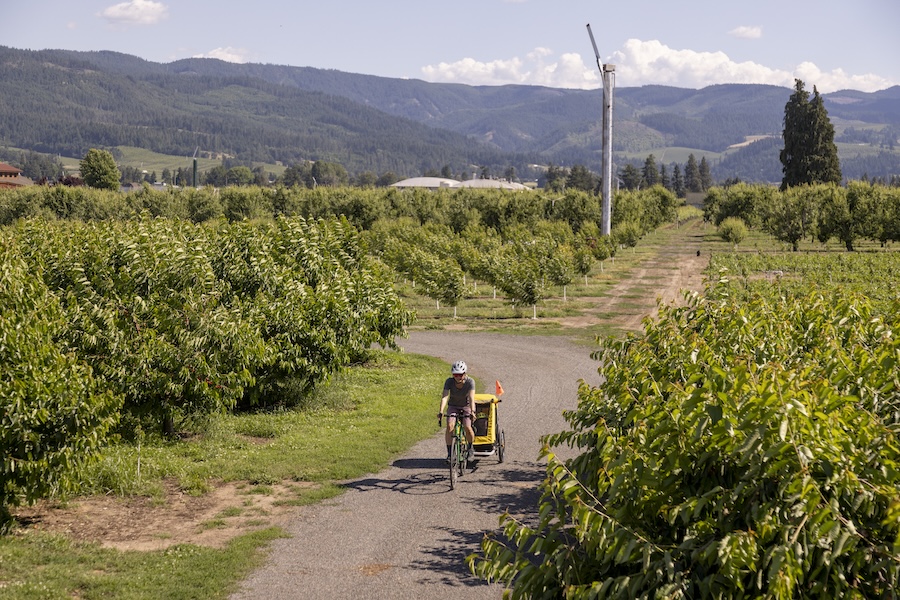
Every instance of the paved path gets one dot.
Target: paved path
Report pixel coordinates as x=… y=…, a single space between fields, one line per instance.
x=403 y=533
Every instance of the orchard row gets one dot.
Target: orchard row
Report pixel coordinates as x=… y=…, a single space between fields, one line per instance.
x=745 y=446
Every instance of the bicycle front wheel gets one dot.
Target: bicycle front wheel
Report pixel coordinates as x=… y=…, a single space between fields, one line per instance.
x=454 y=463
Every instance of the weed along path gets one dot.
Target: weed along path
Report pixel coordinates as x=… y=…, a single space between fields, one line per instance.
x=402 y=533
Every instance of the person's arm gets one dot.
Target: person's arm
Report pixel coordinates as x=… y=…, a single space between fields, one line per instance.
x=444 y=397
x=472 y=399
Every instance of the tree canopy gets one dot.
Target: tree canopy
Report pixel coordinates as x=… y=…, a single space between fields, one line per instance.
x=809 y=154
x=99 y=170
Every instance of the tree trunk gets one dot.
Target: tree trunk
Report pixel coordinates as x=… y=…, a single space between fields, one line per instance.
x=168 y=424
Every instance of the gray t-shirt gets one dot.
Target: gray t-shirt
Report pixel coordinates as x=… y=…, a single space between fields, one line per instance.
x=459 y=396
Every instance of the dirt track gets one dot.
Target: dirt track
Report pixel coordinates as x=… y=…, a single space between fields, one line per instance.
x=403 y=533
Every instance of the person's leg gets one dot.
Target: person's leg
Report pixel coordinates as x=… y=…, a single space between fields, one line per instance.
x=448 y=434
x=470 y=431
x=470 y=434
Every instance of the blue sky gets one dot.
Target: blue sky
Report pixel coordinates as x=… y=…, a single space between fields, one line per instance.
x=831 y=45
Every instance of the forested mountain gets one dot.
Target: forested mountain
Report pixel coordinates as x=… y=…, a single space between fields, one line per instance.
x=66 y=102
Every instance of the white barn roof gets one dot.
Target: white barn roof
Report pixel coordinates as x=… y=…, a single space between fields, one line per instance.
x=492 y=183
x=443 y=182
x=427 y=182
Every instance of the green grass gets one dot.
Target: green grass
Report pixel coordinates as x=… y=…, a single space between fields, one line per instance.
x=353 y=426
x=39 y=566
x=356 y=425
x=482 y=311
x=669 y=154
x=153 y=161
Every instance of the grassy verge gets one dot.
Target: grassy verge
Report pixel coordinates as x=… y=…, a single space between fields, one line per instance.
x=354 y=426
x=42 y=566
x=487 y=310
x=155 y=162
x=351 y=427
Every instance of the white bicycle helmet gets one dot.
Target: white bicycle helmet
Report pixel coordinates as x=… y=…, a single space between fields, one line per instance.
x=458 y=368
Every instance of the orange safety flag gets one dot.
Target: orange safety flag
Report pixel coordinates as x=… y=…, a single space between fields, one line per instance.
x=499 y=388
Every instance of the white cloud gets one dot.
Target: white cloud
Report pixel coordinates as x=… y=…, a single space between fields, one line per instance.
x=644 y=63
x=746 y=32
x=539 y=67
x=228 y=54
x=651 y=62
x=640 y=62
x=837 y=79
x=136 y=12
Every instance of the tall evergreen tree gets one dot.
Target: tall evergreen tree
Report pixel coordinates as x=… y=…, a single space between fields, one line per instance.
x=650 y=174
x=630 y=176
x=825 y=163
x=580 y=179
x=809 y=154
x=678 y=182
x=692 y=182
x=705 y=175
x=664 y=179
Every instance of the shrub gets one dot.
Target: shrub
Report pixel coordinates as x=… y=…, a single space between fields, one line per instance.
x=733 y=230
x=53 y=414
x=740 y=448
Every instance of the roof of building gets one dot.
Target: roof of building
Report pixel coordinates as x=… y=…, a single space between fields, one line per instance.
x=15 y=182
x=9 y=170
x=427 y=182
x=493 y=184
x=443 y=182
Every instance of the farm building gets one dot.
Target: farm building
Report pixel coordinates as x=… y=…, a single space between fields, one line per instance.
x=11 y=177
x=434 y=183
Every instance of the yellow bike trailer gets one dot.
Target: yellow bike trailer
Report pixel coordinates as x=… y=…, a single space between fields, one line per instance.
x=490 y=440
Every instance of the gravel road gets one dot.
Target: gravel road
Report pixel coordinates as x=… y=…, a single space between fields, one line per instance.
x=402 y=533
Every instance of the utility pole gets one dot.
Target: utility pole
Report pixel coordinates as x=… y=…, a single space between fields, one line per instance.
x=607 y=75
x=194 y=175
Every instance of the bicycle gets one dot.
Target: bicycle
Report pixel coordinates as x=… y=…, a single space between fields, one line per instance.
x=459 y=453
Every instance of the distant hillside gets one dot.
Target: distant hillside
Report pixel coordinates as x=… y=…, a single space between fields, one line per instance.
x=65 y=102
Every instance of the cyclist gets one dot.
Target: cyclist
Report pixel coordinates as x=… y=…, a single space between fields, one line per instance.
x=458 y=399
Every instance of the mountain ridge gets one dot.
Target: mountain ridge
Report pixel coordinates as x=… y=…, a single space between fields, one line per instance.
x=61 y=100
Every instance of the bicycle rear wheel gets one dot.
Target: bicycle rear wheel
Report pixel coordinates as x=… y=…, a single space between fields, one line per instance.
x=454 y=462
x=499 y=438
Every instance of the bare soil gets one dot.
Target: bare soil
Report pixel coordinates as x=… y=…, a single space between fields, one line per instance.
x=231 y=509
x=155 y=523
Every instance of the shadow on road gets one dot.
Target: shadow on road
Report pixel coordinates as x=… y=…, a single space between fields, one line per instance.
x=420 y=463
x=447 y=558
x=418 y=484
x=513 y=489
x=507 y=487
